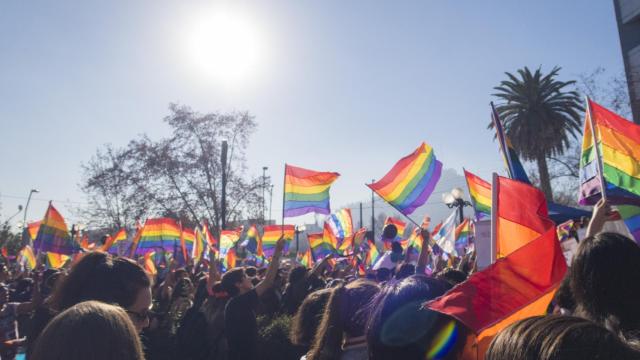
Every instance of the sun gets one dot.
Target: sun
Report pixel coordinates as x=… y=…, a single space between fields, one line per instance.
x=226 y=46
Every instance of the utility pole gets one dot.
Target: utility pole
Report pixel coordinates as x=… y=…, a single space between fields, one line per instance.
x=360 y=224
x=223 y=161
x=264 y=188
x=373 y=215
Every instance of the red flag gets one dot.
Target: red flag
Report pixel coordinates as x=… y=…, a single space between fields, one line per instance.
x=522 y=283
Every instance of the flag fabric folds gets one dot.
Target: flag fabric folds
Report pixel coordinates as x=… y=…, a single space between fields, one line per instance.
x=306 y=191
x=463 y=232
x=53 y=234
x=480 y=192
x=618 y=141
x=410 y=182
x=519 y=285
x=631 y=216
x=158 y=233
x=321 y=244
x=187 y=242
x=111 y=245
x=27 y=258
x=270 y=236
x=446 y=235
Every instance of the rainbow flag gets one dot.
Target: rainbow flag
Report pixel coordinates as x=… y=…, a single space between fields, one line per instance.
x=321 y=244
x=56 y=261
x=341 y=223
x=111 y=245
x=306 y=259
x=252 y=238
x=631 y=216
x=462 y=237
x=228 y=239
x=27 y=258
x=229 y=260
x=564 y=230
x=411 y=180
x=270 y=236
x=53 y=234
x=415 y=240
x=149 y=263
x=158 y=233
x=480 y=192
x=372 y=255
x=200 y=247
x=400 y=225
x=187 y=241
x=618 y=141
x=306 y=191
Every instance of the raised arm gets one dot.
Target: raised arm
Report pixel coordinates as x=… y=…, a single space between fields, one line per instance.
x=272 y=270
x=601 y=214
x=423 y=258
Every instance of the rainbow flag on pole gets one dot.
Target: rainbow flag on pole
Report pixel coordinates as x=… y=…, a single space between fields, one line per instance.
x=480 y=192
x=271 y=235
x=306 y=191
x=27 y=258
x=187 y=241
x=306 y=259
x=158 y=233
x=321 y=244
x=411 y=180
x=111 y=245
x=53 y=234
x=618 y=142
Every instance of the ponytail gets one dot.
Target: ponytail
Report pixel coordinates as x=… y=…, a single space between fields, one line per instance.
x=327 y=343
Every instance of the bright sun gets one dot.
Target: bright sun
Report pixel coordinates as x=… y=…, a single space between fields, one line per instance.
x=226 y=46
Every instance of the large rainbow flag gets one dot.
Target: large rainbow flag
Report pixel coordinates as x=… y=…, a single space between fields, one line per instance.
x=53 y=234
x=480 y=192
x=411 y=180
x=158 y=233
x=306 y=191
x=618 y=142
x=271 y=235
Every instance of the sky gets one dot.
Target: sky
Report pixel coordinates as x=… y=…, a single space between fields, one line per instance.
x=347 y=86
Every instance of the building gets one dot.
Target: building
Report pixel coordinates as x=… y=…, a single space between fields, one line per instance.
x=628 y=19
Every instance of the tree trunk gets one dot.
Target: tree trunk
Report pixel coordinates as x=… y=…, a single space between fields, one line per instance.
x=545 y=182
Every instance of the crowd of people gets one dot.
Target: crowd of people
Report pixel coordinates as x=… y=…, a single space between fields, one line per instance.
x=108 y=307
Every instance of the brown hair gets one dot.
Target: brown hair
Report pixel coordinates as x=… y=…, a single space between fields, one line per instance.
x=307 y=319
x=89 y=330
x=557 y=337
x=344 y=314
x=100 y=276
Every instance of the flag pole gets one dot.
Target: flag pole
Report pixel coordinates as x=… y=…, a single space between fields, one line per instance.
x=284 y=187
x=595 y=146
x=393 y=206
x=501 y=140
x=494 y=217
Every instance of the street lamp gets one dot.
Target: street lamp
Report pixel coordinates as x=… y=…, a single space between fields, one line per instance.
x=24 y=219
x=299 y=229
x=454 y=199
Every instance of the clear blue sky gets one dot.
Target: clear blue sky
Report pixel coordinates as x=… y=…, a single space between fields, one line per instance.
x=349 y=86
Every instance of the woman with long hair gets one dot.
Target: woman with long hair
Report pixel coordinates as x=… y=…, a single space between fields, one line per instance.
x=89 y=330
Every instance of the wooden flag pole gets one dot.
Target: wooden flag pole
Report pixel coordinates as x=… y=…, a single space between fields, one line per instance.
x=598 y=155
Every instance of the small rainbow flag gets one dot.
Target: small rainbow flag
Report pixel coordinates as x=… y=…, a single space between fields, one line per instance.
x=320 y=244
x=618 y=142
x=252 y=239
x=111 y=245
x=187 y=241
x=53 y=234
x=27 y=258
x=33 y=229
x=306 y=259
x=149 y=264
x=229 y=260
x=372 y=255
x=415 y=240
x=462 y=236
x=271 y=235
x=158 y=233
x=228 y=239
x=306 y=191
x=200 y=247
x=208 y=236
x=480 y=192
x=341 y=223
x=411 y=180
x=56 y=261
x=631 y=216
x=564 y=230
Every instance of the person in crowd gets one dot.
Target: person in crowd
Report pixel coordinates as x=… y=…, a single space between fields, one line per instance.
x=102 y=277
x=181 y=301
x=308 y=317
x=89 y=330
x=341 y=332
x=555 y=337
x=399 y=327
x=563 y=302
x=10 y=336
x=452 y=276
x=239 y=316
x=605 y=278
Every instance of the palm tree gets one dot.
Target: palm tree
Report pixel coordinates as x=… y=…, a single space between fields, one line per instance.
x=539 y=116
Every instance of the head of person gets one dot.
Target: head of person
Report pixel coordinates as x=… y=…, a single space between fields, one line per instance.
x=235 y=282
x=399 y=326
x=306 y=320
x=183 y=289
x=89 y=330
x=563 y=301
x=452 y=276
x=605 y=281
x=405 y=271
x=114 y=280
x=251 y=271
x=345 y=315
x=383 y=274
x=297 y=274
x=556 y=337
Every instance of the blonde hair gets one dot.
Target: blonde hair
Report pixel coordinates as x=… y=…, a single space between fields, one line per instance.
x=89 y=330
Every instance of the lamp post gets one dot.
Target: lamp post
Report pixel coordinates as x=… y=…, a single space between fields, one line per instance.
x=299 y=229
x=264 y=188
x=26 y=208
x=454 y=199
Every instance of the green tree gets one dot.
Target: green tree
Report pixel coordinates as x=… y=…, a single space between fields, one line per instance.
x=540 y=115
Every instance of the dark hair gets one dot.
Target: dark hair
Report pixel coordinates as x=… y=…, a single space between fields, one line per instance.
x=230 y=279
x=307 y=319
x=389 y=232
x=251 y=271
x=383 y=274
x=564 y=297
x=297 y=273
x=182 y=289
x=399 y=327
x=100 y=276
x=345 y=314
x=556 y=337
x=452 y=276
x=89 y=330
x=405 y=271
x=605 y=281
